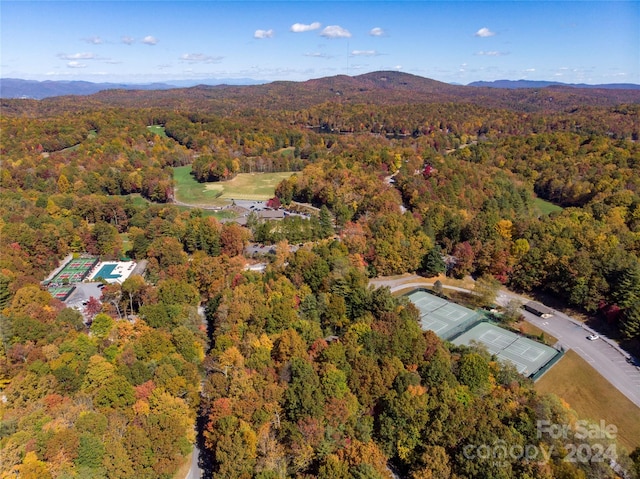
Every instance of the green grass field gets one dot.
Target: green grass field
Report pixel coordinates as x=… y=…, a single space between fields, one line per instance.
x=245 y=186
x=126 y=242
x=546 y=207
x=139 y=201
x=157 y=129
x=287 y=152
x=592 y=397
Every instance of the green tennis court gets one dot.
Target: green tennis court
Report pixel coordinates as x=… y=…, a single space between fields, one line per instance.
x=525 y=354
x=75 y=270
x=61 y=292
x=444 y=318
x=463 y=326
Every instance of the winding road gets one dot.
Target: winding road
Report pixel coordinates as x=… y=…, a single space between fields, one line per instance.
x=603 y=354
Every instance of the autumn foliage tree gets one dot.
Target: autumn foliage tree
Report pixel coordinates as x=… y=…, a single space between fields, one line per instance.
x=302 y=371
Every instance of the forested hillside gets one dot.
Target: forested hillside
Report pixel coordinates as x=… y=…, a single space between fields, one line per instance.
x=303 y=370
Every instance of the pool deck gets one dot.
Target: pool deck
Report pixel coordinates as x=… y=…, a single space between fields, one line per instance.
x=120 y=273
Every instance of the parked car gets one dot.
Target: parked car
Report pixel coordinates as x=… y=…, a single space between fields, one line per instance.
x=593 y=337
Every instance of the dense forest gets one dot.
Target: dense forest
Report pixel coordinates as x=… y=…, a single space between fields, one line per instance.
x=303 y=370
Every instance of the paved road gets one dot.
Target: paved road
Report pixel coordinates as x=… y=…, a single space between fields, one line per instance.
x=413 y=281
x=194 y=472
x=602 y=354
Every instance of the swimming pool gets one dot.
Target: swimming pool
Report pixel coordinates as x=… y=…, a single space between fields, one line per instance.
x=106 y=272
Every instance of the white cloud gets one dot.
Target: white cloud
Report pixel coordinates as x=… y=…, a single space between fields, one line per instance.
x=492 y=54
x=377 y=32
x=260 y=34
x=199 y=58
x=126 y=39
x=530 y=70
x=301 y=27
x=317 y=55
x=364 y=53
x=77 y=56
x=335 y=31
x=397 y=67
x=94 y=40
x=484 y=32
x=150 y=40
x=75 y=64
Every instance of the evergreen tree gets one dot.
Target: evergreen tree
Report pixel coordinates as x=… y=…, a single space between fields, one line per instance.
x=630 y=326
x=432 y=262
x=627 y=292
x=5 y=291
x=326 y=222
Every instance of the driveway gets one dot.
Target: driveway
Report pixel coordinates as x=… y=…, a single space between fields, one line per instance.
x=603 y=354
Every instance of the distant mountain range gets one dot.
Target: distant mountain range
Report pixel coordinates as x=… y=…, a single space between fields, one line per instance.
x=37 y=90
x=375 y=88
x=515 y=84
x=17 y=88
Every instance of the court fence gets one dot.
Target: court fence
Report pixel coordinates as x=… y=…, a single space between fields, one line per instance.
x=489 y=318
x=483 y=316
x=462 y=328
x=540 y=372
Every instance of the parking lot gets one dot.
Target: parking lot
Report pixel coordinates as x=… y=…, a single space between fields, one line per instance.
x=82 y=293
x=601 y=353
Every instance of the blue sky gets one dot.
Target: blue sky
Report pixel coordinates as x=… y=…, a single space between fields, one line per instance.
x=452 y=41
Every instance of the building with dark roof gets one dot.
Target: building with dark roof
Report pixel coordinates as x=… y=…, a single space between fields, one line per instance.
x=538 y=309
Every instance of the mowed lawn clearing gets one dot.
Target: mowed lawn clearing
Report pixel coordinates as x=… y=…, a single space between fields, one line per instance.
x=245 y=186
x=546 y=207
x=592 y=397
x=158 y=130
x=141 y=202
